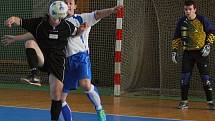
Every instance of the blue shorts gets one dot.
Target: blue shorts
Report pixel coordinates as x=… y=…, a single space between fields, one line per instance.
x=78 y=67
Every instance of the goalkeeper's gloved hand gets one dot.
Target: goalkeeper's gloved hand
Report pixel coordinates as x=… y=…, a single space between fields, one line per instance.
x=206 y=50
x=174 y=57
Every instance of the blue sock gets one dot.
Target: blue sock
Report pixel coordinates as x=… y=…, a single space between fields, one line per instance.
x=66 y=113
x=94 y=97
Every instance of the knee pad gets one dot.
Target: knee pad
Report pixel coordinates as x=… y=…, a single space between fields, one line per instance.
x=207 y=85
x=206 y=81
x=185 y=78
x=205 y=78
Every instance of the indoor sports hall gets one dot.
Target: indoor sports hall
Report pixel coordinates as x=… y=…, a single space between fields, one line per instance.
x=130 y=53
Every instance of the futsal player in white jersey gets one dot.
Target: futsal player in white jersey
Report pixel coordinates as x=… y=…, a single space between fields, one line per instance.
x=78 y=70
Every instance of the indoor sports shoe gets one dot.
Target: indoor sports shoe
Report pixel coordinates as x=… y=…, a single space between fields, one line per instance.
x=32 y=79
x=211 y=106
x=101 y=115
x=183 y=105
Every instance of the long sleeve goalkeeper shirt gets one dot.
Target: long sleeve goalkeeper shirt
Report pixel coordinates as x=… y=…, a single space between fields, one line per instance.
x=193 y=34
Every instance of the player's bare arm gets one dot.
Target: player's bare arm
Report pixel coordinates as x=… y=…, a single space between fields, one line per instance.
x=9 y=39
x=99 y=14
x=13 y=20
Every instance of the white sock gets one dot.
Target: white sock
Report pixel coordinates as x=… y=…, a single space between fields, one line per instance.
x=94 y=97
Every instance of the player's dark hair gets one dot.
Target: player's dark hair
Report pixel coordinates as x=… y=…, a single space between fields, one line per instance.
x=189 y=3
x=74 y=1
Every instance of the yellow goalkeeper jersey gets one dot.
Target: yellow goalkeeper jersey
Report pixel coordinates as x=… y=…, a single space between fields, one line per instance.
x=193 y=34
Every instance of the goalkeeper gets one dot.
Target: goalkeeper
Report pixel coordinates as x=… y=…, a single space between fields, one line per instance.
x=195 y=34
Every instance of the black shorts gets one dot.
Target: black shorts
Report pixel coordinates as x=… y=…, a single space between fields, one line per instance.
x=192 y=57
x=54 y=62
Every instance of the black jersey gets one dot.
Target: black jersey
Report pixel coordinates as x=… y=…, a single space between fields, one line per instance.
x=48 y=37
x=52 y=42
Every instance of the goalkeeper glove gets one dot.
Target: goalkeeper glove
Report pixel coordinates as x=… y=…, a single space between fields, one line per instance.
x=206 y=50
x=174 y=57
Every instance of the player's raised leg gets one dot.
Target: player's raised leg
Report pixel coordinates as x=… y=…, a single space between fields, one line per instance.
x=35 y=59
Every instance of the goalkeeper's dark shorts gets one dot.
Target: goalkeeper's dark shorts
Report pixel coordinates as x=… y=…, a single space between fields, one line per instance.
x=194 y=56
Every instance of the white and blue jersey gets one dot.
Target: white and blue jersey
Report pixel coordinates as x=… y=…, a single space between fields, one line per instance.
x=77 y=52
x=80 y=43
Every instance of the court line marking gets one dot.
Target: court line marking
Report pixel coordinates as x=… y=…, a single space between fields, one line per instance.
x=94 y=113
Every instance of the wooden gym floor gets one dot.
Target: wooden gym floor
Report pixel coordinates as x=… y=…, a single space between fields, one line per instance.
x=113 y=105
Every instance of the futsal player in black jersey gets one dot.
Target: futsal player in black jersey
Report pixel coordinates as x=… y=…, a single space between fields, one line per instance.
x=47 y=52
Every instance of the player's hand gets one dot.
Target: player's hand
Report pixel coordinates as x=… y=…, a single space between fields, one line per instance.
x=84 y=26
x=9 y=22
x=118 y=7
x=206 y=50
x=174 y=57
x=8 y=39
x=81 y=29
